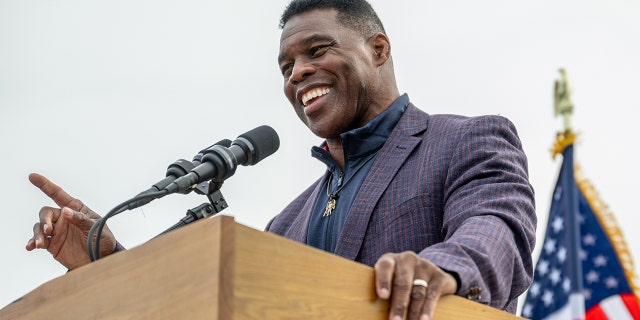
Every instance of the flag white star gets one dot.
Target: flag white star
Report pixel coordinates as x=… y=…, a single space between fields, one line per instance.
x=611 y=282
x=566 y=285
x=557 y=224
x=587 y=294
x=592 y=276
x=600 y=261
x=534 y=290
x=555 y=276
x=583 y=255
x=562 y=254
x=589 y=240
x=547 y=298
x=558 y=194
x=543 y=267
x=550 y=246
x=526 y=310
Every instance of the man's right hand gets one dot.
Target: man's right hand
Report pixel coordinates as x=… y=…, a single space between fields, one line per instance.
x=64 y=231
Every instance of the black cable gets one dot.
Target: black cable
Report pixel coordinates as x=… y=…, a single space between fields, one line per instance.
x=94 y=254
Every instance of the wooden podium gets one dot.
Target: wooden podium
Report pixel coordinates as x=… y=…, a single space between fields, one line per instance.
x=218 y=269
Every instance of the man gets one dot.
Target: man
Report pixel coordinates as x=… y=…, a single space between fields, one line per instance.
x=438 y=204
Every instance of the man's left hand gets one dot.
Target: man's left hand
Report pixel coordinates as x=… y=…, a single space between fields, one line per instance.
x=412 y=284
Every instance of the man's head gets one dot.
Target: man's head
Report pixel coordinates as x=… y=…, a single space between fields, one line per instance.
x=336 y=63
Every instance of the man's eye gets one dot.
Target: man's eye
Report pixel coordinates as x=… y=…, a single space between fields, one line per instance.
x=316 y=51
x=286 y=70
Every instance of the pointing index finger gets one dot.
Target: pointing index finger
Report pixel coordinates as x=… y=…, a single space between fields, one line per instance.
x=53 y=191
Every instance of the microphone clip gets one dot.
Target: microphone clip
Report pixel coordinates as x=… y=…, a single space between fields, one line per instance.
x=211 y=189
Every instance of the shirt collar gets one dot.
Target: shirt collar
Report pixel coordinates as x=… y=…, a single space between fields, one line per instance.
x=370 y=137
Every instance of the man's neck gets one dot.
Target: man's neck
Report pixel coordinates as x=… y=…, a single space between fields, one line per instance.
x=336 y=151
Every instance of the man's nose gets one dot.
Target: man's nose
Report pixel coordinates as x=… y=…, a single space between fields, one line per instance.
x=301 y=70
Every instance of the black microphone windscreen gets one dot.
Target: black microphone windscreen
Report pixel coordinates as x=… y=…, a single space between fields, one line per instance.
x=265 y=142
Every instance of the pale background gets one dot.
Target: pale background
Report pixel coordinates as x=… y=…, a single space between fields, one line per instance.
x=101 y=96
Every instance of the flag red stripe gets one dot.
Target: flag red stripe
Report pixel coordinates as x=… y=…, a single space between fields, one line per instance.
x=631 y=301
x=596 y=313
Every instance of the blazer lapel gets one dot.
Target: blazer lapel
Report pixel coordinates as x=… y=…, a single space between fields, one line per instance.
x=403 y=140
x=298 y=229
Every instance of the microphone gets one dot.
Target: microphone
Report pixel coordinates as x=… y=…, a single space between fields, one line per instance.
x=197 y=159
x=220 y=162
x=175 y=170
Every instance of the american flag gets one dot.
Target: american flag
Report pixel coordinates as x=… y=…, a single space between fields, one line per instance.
x=601 y=285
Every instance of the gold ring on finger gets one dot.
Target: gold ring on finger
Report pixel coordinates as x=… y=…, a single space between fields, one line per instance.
x=420 y=282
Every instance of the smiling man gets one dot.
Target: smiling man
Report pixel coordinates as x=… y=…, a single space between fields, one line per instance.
x=438 y=204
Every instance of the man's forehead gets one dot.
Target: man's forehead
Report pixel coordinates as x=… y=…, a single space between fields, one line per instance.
x=312 y=19
x=306 y=28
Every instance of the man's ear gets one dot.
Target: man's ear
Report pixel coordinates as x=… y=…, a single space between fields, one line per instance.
x=381 y=48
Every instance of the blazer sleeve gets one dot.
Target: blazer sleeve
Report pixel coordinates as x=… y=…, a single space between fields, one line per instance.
x=489 y=217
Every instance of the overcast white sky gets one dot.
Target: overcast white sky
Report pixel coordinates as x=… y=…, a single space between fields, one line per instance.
x=101 y=96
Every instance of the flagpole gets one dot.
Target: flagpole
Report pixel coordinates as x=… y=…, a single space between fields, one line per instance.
x=564 y=144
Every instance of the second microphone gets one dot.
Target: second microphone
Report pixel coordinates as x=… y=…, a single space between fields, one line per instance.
x=220 y=163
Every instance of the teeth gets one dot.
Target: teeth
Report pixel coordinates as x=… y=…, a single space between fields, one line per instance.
x=314 y=94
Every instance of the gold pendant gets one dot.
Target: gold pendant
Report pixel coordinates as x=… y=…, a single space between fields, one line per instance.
x=331 y=204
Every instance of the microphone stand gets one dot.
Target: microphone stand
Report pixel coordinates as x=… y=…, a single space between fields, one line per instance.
x=217 y=203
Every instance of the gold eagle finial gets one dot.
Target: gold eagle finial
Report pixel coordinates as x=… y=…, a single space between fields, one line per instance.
x=562 y=106
x=562 y=99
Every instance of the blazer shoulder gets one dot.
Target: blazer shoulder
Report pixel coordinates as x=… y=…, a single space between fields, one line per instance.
x=282 y=222
x=461 y=120
x=450 y=123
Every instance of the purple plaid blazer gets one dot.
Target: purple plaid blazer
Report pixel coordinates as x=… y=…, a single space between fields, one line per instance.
x=453 y=189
